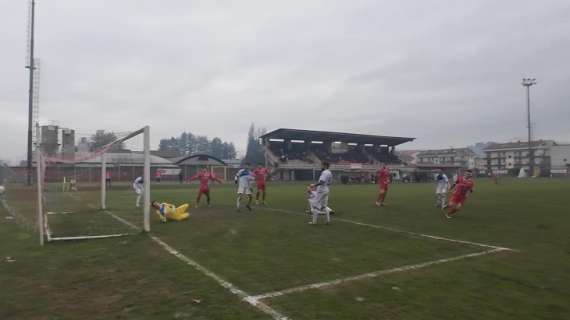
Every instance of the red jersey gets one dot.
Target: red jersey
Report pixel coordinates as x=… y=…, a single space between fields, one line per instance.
x=205 y=179
x=260 y=175
x=462 y=187
x=384 y=176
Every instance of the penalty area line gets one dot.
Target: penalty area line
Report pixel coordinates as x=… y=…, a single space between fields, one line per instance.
x=416 y=234
x=229 y=286
x=244 y=296
x=374 y=274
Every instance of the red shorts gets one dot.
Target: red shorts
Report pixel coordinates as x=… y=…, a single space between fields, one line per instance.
x=261 y=186
x=204 y=190
x=457 y=199
x=384 y=186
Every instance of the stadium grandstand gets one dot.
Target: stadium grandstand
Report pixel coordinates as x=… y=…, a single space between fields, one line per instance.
x=297 y=154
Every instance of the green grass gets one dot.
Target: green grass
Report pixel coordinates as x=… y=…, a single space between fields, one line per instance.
x=267 y=250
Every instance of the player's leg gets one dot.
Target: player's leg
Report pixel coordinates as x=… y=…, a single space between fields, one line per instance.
x=440 y=200
x=257 y=193
x=328 y=214
x=249 y=199
x=182 y=209
x=240 y=192
x=198 y=198
x=139 y=193
x=207 y=194
x=456 y=209
x=379 y=198
x=384 y=193
x=263 y=194
x=315 y=212
x=238 y=201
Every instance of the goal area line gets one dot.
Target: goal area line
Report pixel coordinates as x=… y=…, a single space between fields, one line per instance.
x=410 y=233
x=50 y=237
x=368 y=275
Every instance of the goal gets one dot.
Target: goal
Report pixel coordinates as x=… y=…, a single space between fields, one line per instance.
x=85 y=191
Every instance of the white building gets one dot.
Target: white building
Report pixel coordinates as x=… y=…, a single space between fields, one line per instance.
x=503 y=158
x=560 y=160
x=463 y=157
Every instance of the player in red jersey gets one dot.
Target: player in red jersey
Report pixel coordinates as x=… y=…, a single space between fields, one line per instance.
x=461 y=189
x=204 y=176
x=383 y=179
x=261 y=174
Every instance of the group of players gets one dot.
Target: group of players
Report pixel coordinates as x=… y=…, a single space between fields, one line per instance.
x=243 y=179
x=318 y=194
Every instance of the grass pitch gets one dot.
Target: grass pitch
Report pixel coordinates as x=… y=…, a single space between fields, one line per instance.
x=274 y=250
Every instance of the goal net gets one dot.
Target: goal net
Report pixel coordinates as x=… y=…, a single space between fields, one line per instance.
x=85 y=184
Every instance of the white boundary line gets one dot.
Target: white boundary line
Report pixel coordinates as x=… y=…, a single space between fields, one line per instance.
x=226 y=284
x=374 y=274
x=232 y=288
x=423 y=235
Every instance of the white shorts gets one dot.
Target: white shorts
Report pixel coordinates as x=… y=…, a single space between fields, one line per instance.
x=139 y=190
x=244 y=189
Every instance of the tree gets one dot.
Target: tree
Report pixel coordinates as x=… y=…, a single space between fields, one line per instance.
x=169 y=146
x=187 y=144
x=216 y=147
x=202 y=145
x=254 y=153
x=102 y=138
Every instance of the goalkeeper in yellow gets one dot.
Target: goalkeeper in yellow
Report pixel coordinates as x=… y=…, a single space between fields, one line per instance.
x=167 y=211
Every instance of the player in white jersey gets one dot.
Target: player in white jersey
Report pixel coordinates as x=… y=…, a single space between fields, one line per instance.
x=243 y=180
x=138 y=187
x=441 y=189
x=314 y=206
x=321 y=201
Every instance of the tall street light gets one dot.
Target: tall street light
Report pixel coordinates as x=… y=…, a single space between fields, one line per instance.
x=31 y=66
x=528 y=82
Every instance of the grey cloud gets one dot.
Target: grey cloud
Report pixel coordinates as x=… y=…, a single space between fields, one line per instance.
x=446 y=72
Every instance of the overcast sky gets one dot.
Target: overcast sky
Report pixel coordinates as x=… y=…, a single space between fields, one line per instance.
x=445 y=72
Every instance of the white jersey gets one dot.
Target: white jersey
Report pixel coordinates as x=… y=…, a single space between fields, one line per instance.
x=243 y=179
x=138 y=185
x=326 y=180
x=441 y=183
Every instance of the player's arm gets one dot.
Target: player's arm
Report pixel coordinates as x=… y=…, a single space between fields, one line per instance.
x=452 y=187
x=319 y=183
x=215 y=178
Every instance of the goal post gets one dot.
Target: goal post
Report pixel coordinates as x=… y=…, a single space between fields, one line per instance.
x=41 y=226
x=73 y=213
x=146 y=173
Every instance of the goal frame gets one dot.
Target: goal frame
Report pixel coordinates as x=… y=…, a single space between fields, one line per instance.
x=43 y=225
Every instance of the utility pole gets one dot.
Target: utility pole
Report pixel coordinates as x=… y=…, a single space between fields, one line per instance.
x=528 y=82
x=31 y=67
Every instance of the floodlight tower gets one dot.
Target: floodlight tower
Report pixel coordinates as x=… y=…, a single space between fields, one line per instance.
x=528 y=82
x=31 y=67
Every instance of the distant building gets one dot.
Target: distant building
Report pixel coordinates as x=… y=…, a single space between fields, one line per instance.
x=49 y=140
x=67 y=142
x=83 y=146
x=560 y=160
x=408 y=156
x=461 y=157
x=509 y=158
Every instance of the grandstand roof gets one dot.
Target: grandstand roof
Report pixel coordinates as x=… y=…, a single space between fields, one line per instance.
x=310 y=135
